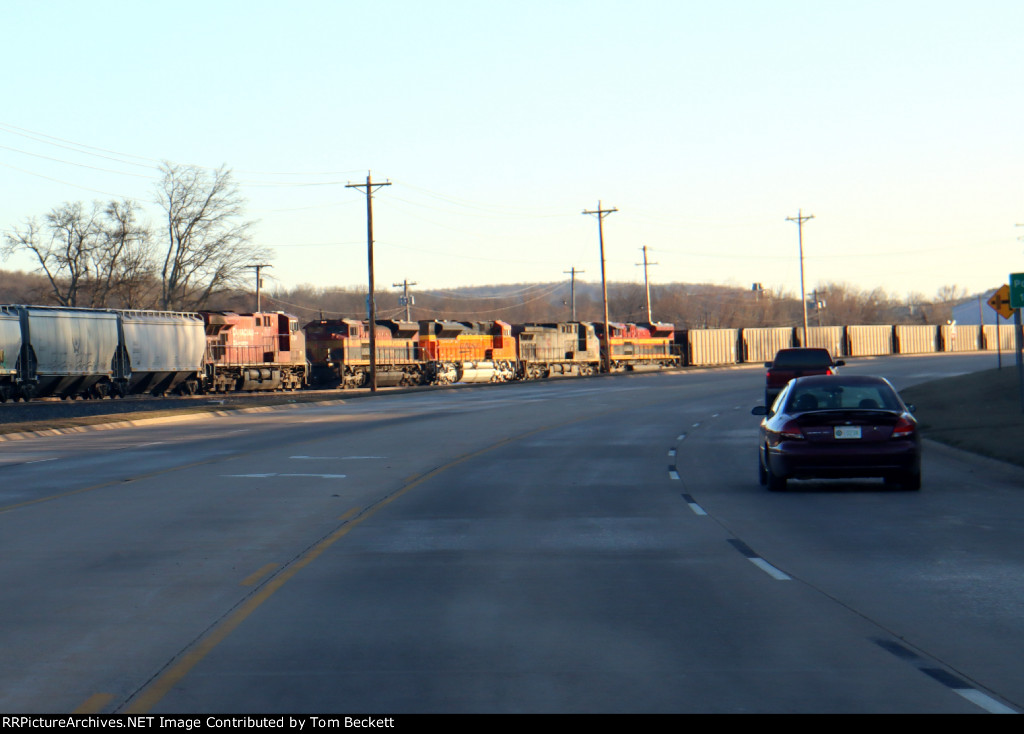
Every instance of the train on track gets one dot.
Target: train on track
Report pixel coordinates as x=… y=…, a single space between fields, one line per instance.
x=74 y=353
x=444 y=352
x=94 y=353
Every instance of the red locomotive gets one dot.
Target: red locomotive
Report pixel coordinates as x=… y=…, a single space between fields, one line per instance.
x=633 y=345
x=253 y=351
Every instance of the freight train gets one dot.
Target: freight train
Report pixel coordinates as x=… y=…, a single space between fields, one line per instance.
x=443 y=352
x=95 y=353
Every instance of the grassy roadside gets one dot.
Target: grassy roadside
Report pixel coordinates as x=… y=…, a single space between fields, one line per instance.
x=978 y=412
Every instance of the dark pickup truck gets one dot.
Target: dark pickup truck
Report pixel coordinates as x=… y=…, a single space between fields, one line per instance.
x=797 y=362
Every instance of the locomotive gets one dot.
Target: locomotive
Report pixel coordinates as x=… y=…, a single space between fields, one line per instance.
x=253 y=351
x=95 y=353
x=443 y=352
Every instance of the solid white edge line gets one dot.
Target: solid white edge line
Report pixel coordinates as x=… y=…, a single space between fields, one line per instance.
x=770 y=569
x=984 y=701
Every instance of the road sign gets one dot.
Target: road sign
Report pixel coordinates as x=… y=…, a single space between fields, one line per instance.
x=1016 y=290
x=1000 y=302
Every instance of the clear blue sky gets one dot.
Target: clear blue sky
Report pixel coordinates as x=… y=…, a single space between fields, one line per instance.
x=897 y=124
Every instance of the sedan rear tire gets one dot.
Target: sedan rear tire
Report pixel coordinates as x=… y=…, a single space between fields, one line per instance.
x=775 y=482
x=909 y=481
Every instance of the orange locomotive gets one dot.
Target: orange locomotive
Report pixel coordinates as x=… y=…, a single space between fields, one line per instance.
x=410 y=353
x=469 y=351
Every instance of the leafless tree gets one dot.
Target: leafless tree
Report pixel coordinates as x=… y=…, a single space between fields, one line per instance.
x=124 y=267
x=950 y=294
x=64 y=245
x=208 y=244
x=90 y=256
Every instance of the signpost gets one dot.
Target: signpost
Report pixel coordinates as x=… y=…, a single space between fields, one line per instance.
x=1000 y=302
x=1017 y=303
x=1016 y=289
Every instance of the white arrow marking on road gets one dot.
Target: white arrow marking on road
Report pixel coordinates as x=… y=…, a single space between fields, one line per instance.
x=336 y=458
x=265 y=476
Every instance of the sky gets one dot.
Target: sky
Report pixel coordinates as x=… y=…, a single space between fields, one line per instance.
x=896 y=124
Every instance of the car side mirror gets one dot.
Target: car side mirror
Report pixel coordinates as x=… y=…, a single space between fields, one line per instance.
x=767 y=364
x=759 y=410
x=912 y=408
x=840 y=363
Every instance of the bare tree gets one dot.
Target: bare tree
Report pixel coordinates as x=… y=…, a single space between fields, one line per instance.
x=64 y=247
x=208 y=245
x=950 y=294
x=124 y=266
x=88 y=255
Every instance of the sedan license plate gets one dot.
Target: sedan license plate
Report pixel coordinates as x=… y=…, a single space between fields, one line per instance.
x=847 y=432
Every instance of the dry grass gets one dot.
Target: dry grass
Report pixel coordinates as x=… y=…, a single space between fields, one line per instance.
x=979 y=412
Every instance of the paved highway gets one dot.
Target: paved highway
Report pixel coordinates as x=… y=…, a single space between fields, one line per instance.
x=569 y=546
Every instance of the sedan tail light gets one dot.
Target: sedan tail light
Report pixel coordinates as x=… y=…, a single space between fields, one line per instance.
x=791 y=431
x=904 y=428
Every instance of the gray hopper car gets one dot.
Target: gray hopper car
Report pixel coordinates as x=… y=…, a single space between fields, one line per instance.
x=81 y=352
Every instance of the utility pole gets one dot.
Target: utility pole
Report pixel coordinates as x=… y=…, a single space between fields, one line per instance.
x=406 y=299
x=601 y=214
x=647 y=285
x=370 y=187
x=259 y=281
x=800 y=219
x=572 y=288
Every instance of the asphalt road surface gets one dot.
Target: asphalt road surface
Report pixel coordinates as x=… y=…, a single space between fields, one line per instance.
x=594 y=545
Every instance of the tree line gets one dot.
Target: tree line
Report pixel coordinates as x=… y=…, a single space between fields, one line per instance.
x=686 y=305
x=199 y=257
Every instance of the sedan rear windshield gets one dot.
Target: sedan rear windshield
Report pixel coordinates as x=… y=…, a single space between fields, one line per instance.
x=802 y=359
x=843 y=397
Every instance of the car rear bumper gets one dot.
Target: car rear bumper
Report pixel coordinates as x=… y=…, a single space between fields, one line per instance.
x=806 y=460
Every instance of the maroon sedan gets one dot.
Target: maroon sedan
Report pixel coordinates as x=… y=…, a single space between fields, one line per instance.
x=839 y=426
